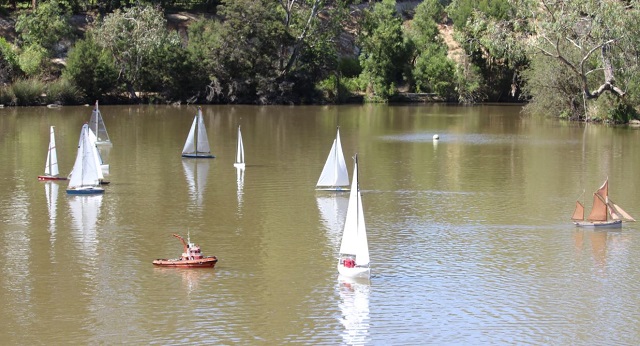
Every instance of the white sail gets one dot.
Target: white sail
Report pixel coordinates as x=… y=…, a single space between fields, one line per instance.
x=354 y=236
x=86 y=170
x=104 y=167
x=334 y=174
x=239 y=151
x=190 y=144
x=96 y=125
x=51 y=167
x=197 y=143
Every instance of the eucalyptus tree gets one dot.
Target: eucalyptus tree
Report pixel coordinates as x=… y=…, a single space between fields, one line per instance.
x=45 y=25
x=487 y=33
x=432 y=70
x=266 y=51
x=138 y=40
x=383 y=50
x=596 y=41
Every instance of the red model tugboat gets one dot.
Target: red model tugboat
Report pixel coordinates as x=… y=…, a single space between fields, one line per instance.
x=191 y=257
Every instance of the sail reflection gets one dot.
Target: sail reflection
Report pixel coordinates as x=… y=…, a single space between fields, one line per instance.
x=84 y=212
x=240 y=180
x=196 y=172
x=333 y=212
x=51 y=192
x=354 y=295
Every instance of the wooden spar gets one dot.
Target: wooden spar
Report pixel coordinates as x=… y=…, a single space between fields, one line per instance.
x=184 y=243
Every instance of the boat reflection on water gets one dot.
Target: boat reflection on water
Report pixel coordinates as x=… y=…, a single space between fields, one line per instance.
x=85 y=210
x=196 y=172
x=51 y=192
x=190 y=278
x=240 y=181
x=354 y=304
x=605 y=244
x=333 y=212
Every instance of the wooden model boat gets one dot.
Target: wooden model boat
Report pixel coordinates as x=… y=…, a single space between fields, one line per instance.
x=191 y=257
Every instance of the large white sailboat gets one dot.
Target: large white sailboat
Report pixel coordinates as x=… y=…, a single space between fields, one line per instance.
x=334 y=176
x=86 y=174
x=51 y=171
x=239 y=152
x=197 y=144
x=353 y=257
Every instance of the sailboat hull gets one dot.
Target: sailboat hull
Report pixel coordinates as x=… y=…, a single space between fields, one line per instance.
x=334 y=189
x=601 y=224
x=85 y=191
x=355 y=272
x=206 y=262
x=198 y=156
x=49 y=177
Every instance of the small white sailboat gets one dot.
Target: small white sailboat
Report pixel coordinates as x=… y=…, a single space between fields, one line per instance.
x=239 y=152
x=604 y=213
x=94 y=141
x=334 y=176
x=86 y=174
x=353 y=257
x=96 y=125
x=197 y=144
x=51 y=171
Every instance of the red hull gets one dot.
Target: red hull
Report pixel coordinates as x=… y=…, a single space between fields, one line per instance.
x=47 y=177
x=206 y=262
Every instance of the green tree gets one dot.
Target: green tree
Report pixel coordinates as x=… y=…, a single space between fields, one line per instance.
x=432 y=70
x=383 y=49
x=8 y=62
x=596 y=43
x=267 y=51
x=45 y=26
x=486 y=37
x=136 y=37
x=91 y=69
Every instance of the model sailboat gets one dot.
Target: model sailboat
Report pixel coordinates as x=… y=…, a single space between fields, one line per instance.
x=604 y=213
x=239 y=152
x=96 y=125
x=51 y=171
x=353 y=258
x=86 y=174
x=334 y=176
x=197 y=144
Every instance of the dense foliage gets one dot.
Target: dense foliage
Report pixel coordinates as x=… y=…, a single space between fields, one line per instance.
x=573 y=59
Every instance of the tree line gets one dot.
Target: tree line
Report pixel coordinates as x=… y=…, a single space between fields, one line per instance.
x=565 y=58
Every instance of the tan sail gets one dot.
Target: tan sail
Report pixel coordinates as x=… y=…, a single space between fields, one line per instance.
x=618 y=213
x=603 y=191
x=578 y=213
x=599 y=210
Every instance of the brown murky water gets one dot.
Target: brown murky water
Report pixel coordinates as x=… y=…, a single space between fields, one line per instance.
x=470 y=236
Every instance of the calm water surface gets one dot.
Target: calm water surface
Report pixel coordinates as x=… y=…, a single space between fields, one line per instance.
x=470 y=236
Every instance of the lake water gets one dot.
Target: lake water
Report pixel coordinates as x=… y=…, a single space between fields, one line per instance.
x=470 y=236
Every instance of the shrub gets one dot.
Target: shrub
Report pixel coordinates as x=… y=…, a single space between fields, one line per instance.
x=7 y=97
x=62 y=91
x=350 y=67
x=91 y=69
x=32 y=59
x=28 y=92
